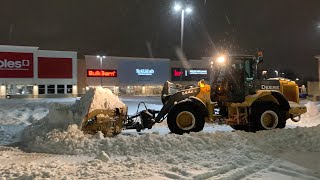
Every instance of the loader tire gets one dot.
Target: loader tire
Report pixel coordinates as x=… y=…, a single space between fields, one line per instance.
x=266 y=116
x=185 y=118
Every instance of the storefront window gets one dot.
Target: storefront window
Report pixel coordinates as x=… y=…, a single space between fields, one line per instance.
x=29 y=89
x=130 y=90
x=69 y=89
x=51 y=89
x=138 y=90
x=61 y=89
x=42 y=89
x=19 y=89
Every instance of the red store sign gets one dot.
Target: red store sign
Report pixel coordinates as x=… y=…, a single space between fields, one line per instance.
x=177 y=73
x=16 y=65
x=101 y=73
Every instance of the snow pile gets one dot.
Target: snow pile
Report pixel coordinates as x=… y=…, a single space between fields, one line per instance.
x=312 y=109
x=14 y=117
x=74 y=142
x=61 y=116
x=99 y=98
x=310 y=118
x=300 y=139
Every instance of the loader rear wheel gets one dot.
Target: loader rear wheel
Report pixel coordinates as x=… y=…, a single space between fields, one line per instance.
x=266 y=116
x=184 y=118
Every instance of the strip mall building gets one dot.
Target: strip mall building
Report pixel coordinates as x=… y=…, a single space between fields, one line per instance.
x=30 y=72
x=124 y=75
x=138 y=76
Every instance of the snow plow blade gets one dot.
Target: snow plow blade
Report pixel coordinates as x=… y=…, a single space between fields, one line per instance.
x=109 y=122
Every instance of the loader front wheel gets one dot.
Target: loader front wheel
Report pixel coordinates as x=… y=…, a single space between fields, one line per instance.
x=266 y=116
x=184 y=118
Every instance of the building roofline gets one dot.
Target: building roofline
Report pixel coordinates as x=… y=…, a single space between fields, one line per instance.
x=129 y=58
x=21 y=48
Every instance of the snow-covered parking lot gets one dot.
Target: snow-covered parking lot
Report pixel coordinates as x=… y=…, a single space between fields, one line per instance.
x=215 y=153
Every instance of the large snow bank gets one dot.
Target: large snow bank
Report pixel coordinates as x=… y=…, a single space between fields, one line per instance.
x=61 y=116
x=73 y=141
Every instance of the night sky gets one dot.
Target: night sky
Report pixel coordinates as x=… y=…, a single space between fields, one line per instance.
x=288 y=31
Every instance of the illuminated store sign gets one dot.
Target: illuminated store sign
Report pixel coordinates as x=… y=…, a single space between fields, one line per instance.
x=182 y=74
x=16 y=65
x=145 y=72
x=177 y=73
x=101 y=73
x=205 y=72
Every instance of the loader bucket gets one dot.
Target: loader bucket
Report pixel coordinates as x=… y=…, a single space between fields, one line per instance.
x=103 y=111
x=109 y=122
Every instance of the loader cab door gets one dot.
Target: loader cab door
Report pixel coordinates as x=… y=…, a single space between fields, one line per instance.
x=250 y=70
x=234 y=81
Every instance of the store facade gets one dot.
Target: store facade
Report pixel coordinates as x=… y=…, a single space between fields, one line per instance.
x=190 y=72
x=124 y=75
x=30 y=72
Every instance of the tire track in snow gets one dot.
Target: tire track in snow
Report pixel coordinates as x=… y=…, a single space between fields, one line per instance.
x=242 y=172
x=284 y=169
x=210 y=174
x=291 y=171
x=293 y=174
x=236 y=169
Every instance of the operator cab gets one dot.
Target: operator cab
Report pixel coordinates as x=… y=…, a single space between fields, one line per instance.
x=234 y=78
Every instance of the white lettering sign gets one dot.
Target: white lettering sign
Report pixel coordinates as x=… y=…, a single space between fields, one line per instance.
x=270 y=87
x=145 y=72
x=188 y=92
x=205 y=72
x=14 y=65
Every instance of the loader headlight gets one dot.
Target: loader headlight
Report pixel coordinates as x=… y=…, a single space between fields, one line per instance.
x=221 y=60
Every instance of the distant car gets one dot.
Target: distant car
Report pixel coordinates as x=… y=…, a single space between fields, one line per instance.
x=303 y=95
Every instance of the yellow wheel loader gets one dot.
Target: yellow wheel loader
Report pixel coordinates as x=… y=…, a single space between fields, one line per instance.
x=236 y=96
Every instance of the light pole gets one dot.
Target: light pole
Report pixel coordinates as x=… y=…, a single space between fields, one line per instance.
x=183 y=9
x=277 y=73
x=101 y=57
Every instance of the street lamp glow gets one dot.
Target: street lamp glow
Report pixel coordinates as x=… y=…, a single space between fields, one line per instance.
x=184 y=10
x=188 y=10
x=177 y=7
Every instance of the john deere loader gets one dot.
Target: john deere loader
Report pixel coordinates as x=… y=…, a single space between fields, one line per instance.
x=236 y=96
